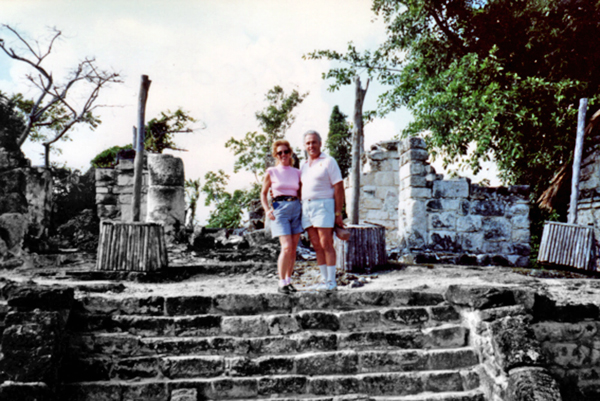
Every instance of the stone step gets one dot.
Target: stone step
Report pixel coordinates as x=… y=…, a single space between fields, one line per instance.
x=264 y=325
x=292 y=387
x=471 y=395
x=127 y=345
x=347 y=362
x=252 y=304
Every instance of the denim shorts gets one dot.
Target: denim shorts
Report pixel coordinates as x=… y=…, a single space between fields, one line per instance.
x=318 y=213
x=288 y=218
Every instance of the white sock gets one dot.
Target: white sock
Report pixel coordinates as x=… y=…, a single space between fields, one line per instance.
x=331 y=270
x=323 y=269
x=282 y=283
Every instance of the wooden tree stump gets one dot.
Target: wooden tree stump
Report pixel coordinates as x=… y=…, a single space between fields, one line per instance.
x=364 y=250
x=131 y=246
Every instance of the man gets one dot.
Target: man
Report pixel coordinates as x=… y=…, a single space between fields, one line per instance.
x=322 y=203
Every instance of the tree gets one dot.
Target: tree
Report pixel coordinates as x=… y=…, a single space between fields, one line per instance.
x=159 y=136
x=228 y=207
x=253 y=154
x=486 y=80
x=160 y=131
x=11 y=123
x=57 y=107
x=255 y=148
x=338 y=143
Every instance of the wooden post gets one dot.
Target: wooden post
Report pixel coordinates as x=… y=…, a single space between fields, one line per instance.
x=363 y=251
x=139 y=149
x=577 y=161
x=357 y=151
x=131 y=247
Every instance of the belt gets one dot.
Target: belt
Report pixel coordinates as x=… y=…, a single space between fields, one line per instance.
x=284 y=198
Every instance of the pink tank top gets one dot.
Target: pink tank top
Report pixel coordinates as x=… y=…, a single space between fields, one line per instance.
x=285 y=180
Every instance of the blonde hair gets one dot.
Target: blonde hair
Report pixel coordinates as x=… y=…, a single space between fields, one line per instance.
x=281 y=142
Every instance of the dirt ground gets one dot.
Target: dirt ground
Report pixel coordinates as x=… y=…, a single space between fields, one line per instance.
x=565 y=287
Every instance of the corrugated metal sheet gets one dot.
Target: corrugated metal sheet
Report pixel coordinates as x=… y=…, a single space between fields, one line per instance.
x=568 y=245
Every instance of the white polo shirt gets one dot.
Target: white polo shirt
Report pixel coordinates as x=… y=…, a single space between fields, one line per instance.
x=318 y=180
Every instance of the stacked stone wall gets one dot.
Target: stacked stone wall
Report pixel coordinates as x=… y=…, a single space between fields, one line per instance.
x=573 y=351
x=379 y=189
x=114 y=192
x=163 y=194
x=588 y=204
x=456 y=221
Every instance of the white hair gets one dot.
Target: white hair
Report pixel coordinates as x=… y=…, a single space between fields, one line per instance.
x=312 y=132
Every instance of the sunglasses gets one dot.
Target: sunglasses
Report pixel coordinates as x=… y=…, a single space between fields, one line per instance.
x=283 y=152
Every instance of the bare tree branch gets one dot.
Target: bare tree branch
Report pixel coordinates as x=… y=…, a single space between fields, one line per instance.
x=51 y=109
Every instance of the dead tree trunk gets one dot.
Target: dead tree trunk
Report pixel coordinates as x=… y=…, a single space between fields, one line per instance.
x=139 y=151
x=357 y=144
x=577 y=161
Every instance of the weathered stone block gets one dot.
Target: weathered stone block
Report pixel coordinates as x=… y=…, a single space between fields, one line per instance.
x=515 y=343
x=443 y=241
x=442 y=221
x=181 y=367
x=342 y=362
x=36 y=391
x=520 y=236
x=487 y=208
x=371 y=203
x=13 y=227
x=411 y=143
x=282 y=385
x=105 y=176
x=413 y=155
x=165 y=170
x=520 y=222
x=106 y=199
x=496 y=229
x=125 y=180
x=479 y=297
x=412 y=181
x=532 y=383
x=184 y=394
x=415 y=193
x=518 y=209
x=458 y=188
x=415 y=168
x=468 y=223
x=146 y=391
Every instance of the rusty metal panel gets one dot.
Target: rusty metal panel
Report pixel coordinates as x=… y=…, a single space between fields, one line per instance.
x=568 y=245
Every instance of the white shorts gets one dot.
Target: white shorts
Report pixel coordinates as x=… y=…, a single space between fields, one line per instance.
x=318 y=213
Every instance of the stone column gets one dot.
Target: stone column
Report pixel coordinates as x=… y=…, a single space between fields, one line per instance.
x=413 y=195
x=166 y=194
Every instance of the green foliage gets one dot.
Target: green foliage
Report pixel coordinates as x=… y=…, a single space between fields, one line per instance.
x=228 y=207
x=159 y=136
x=11 y=123
x=339 y=140
x=108 y=157
x=160 y=131
x=72 y=193
x=253 y=150
x=485 y=80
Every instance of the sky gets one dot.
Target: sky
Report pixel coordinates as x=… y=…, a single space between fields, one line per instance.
x=216 y=59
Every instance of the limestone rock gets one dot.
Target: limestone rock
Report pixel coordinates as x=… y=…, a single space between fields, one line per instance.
x=526 y=384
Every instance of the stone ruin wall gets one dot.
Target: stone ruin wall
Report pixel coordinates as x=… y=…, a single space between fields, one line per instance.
x=114 y=192
x=379 y=189
x=588 y=203
x=437 y=220
x=163 y=193
x=25 y=199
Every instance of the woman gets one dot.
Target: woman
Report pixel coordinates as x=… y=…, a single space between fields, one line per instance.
x=285 y=211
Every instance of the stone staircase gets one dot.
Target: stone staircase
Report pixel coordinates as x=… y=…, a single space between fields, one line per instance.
x=391 y=345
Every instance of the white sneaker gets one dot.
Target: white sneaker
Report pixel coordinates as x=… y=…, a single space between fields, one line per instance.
x=331 y=286
x=320 y=287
